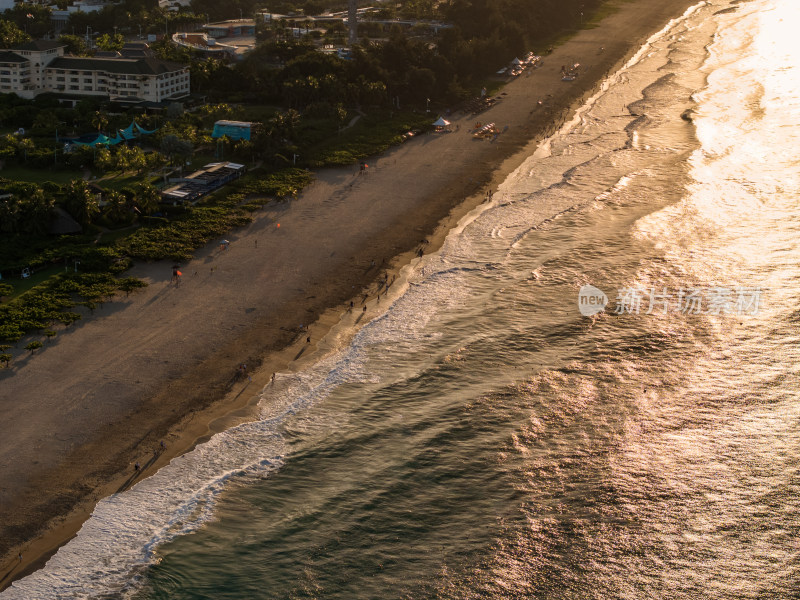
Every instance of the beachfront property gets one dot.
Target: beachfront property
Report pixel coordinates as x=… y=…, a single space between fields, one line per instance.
x=40 y=66
x=204 y=181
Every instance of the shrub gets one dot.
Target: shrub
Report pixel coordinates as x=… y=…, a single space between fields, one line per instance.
x=34 y=345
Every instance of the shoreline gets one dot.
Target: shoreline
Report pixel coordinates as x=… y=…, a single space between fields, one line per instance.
x=207 y=406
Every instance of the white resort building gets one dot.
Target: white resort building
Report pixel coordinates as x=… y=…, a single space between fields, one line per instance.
x=40 y=66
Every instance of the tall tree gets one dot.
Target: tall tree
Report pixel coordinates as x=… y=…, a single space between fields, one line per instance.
x=147 y=198
x=36 y=209
x=11 y=34
x=80 y=202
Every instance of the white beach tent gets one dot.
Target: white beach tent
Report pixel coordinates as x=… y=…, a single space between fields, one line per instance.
x=441 y=122
x=516 y=61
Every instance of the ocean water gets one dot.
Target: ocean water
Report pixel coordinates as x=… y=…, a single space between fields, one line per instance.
x=482 y=438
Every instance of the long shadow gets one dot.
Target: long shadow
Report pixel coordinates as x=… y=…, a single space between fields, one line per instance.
x=157 y=296
x=299 y=354
x=130 y=481
x=7 y=575
x=241 y=391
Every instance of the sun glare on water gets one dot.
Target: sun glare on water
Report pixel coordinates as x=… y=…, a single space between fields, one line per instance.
x=776 y=42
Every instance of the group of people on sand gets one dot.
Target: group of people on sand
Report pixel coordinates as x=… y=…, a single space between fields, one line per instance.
x=569 y=73
x=241 y=372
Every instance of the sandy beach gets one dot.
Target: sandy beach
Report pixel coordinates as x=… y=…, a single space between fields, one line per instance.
x=163 y=364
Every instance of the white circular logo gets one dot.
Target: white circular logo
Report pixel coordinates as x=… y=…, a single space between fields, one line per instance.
x=591 y=300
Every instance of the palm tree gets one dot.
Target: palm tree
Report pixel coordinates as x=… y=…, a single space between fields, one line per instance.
x=117 y=209
x=80 y=202
x=25 y=145
x=9 y=215
x=99 y=120
x=36 y=210
x=147 y=198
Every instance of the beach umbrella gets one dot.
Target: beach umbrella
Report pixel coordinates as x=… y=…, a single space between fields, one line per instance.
x=441 y=122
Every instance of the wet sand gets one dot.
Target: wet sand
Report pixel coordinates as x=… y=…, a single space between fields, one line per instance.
x=161 y=364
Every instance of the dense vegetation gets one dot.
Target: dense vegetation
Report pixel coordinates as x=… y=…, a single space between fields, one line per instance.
x=315 y=109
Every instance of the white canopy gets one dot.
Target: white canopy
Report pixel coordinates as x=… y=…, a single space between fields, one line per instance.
x=441 y=123
x=516 y=61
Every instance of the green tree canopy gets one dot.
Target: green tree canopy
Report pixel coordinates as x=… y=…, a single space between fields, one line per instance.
x=80 y=202
x=11 y=34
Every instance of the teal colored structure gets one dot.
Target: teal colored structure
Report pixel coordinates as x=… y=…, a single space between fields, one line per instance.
x=132 y=131
x=233 y=130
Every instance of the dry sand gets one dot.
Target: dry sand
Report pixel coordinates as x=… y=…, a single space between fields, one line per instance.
x=159 y=365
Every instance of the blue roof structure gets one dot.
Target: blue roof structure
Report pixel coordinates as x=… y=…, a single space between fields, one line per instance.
x=132 y=131
x=234 y=130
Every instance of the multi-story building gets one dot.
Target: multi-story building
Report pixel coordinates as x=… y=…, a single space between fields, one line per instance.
x=22 y=67
x=40 y=66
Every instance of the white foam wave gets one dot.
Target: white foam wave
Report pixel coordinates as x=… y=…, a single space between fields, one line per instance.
x=123 y=534
x=124 y=530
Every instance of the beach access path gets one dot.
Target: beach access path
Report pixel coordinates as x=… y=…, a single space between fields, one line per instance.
x=78 y=414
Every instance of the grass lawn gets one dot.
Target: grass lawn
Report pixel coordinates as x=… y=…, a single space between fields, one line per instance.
x=23 y=285
x=111 y=236
x=33 y=175
x=260 y=113
x=201 y=159
x=372 y=134
x=118 y=181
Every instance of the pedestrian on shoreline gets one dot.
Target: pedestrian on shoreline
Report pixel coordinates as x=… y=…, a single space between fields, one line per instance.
x=272 y=379
x=136 y=467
